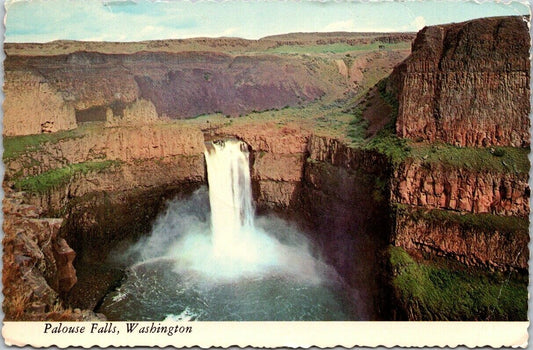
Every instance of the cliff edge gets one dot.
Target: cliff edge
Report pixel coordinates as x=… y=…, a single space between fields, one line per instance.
x=467 y=84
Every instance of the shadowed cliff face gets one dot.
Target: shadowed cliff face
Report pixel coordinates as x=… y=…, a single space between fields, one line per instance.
x=467 y=84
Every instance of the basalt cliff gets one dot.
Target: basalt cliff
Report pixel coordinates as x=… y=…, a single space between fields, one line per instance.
x=463 y=80
x=412 y=180
x=465 y=196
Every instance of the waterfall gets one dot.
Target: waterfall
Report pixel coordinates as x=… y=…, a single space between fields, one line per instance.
x=219 y=237
x=230 y=195
x=232 y=267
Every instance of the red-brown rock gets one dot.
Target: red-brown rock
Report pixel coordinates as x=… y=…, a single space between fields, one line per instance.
x=467 y=84
x=460 y=189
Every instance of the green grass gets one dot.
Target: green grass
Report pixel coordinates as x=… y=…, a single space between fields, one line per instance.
x=395 y=148
x=508 y=225
x=501 y=159
x=14 y=146
x=386 y=142
x=336 y=48
x=357 y=126
x=430 y=291
x=56 y=177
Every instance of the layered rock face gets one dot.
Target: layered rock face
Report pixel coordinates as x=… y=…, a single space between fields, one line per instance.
x=293 y=171
x=478 y=217
x=461 y=214
x=496 y=243
x=467 y=84
x=60 y=91
x=98 y=205
x=277 y=164
x=438 y=186
x=132 y=146
x=30 y=94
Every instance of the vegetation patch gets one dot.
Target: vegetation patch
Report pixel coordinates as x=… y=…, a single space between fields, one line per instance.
x=432 y=291
x=337 y=48
x=56 y=177
x=15 y=146
x=508 y=225
x=385 y=142
x=501 y=159
x=357 y=126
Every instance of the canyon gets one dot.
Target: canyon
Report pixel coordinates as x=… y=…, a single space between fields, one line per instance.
x=403 y=198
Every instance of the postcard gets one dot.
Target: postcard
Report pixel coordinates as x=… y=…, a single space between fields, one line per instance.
x=266 y=173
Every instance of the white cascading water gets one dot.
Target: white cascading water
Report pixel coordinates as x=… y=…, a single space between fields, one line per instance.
x=230 y=196
x=233 y=244
x=217 y=261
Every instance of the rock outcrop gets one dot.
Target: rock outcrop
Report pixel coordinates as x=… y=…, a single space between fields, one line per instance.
x=344 y=199
x=483 y=240
x=138 y=112
x=131 y=145
x=33 y=105
x=278 y=158
x=467 y=84
x=37 y=263
x=460 y=189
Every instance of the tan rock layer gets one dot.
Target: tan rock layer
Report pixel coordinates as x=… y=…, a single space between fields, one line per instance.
x=268 y=137
x=278 y=167
x=33 y=106
x=277 y=194
x=467 y=84
x=438 y=186
x=125 y=143
x=145 y=174
x=471 y=246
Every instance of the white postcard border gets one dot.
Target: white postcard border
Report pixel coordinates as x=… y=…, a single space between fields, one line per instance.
x=269 y=334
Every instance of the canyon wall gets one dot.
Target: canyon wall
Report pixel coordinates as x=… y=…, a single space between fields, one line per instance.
x=32 y=105
x=50 y=93
x=344 y=200
x=37 y=265
x=479 y=217
x=324 y=183
x=460 y=200
x=277 y=161
x=467 y=84
x=58 y=85
x=85 y=191
x=132 y=146
x=474 y=240
x=437 y=186
x=91 y=187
